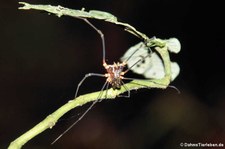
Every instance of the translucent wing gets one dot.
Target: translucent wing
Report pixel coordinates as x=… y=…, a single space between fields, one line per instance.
x=138 y=52
x=175 y=70
x=150 y=65
x=173 y=45
x=156 y=70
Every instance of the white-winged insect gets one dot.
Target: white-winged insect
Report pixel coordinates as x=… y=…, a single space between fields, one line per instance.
x=151 y=65
x=114 y=73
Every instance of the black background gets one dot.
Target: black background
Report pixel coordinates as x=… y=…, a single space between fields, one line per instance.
x=43 y=57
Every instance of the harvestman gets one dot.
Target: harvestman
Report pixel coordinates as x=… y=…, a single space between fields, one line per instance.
x=114 y=76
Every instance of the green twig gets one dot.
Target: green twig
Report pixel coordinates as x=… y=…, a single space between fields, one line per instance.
x=51 y=120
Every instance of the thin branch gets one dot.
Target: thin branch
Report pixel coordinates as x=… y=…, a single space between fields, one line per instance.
x=52 y=119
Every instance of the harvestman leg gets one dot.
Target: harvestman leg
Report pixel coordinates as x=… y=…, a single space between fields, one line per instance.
x=84 y=78
x=103 y=59
x=106 y=91
x=101 y=35
x=89 y=108
x=103 y=56
x=89 y=75
x=128 y=91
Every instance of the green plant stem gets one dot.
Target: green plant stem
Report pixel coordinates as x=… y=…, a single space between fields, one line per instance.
x=51 y=119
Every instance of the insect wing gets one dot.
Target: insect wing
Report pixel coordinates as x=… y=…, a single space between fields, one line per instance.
x=150 y=66
x=138 y=52
x=175 y=70
x=173 y=45
x=156 y=71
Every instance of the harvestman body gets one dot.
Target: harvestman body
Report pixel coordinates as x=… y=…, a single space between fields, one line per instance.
x=114 y=76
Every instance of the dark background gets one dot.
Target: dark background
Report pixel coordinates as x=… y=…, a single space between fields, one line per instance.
x=43 y=57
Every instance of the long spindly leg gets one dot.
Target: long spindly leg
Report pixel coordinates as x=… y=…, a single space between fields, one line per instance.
x=84 y=78
x=140 y=60
x=128 y=91
x=89 y=75
x=146 y=52
x=106 y=92
x=89 y=108
x=101 y=35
